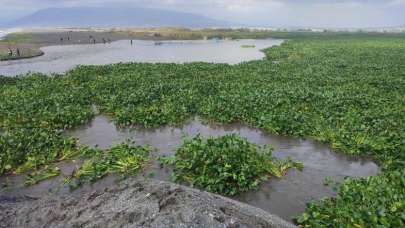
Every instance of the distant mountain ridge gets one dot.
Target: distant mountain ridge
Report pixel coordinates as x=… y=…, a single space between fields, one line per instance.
x=115 y=16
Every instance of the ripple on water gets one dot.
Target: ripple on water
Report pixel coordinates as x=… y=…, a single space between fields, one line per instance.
x=60 y=58
x=285 y=197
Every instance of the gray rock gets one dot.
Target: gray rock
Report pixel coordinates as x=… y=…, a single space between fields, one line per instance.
x=135 y=203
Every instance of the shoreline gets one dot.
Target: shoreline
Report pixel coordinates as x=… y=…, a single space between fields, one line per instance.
x=38 y=38
x=13 y=58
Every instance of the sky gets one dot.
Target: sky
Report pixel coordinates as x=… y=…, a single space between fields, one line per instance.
x=278 y=13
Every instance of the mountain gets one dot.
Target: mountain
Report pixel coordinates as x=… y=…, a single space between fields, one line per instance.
x=114 y=16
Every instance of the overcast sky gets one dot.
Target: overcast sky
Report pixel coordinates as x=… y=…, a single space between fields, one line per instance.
x=319 y=13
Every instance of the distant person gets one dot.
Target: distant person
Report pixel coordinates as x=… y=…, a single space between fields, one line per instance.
x=18 y=52
x=10 y=52
x=61 y=39
x=94 y=41
x=68 y=38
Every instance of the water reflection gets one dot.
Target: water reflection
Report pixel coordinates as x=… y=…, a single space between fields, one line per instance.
x=285 y=197
x=64 y=57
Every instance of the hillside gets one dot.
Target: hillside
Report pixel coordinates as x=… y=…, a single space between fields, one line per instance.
x=109 y=17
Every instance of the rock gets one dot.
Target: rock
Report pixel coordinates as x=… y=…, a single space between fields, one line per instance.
x=136 y=203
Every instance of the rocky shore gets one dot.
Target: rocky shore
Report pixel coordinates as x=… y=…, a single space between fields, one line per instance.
x=134 y=202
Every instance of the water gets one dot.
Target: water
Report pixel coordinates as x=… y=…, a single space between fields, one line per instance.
x=285 y=197
x=59 y=59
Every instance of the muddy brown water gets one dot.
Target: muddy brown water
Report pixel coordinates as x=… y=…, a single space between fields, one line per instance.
x=285 y=197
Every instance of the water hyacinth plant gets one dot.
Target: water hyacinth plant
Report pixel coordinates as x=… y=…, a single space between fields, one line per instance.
x=227 y=165
x=40 y=175
x=343 y=89
x=123 y=159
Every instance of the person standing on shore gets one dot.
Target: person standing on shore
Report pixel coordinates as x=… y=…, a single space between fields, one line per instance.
x=10 y=52
x=18 y=52
x=131 y=41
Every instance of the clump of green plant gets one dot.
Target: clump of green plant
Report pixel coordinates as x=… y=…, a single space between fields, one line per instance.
x=41 y=175
x=343 y=89
x=227 y=165
x=123 y=158
x=378 y=200
x=30 y=148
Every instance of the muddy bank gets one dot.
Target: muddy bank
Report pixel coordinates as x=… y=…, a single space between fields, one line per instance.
x=30 y=42
x=42 y=37
x=61 y=58
x=134 y=203
x=26 y=51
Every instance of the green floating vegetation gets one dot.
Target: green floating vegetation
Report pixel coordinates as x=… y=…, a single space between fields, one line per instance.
x=367 y=202
x=41 y=175
x=227 y=165
x=343 y=89
x=25 y=149
x=123 y=159
x=248 y=46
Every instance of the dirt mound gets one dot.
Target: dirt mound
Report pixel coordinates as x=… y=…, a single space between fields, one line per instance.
x=135 y=203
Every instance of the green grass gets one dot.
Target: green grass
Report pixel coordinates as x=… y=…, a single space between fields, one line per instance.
x=26 y=53
x=123 y=159
x=347 y=90
x=248 y=46
x=15 y=38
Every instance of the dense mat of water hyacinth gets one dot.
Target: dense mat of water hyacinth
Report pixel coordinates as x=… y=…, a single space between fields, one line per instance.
x=345 y=90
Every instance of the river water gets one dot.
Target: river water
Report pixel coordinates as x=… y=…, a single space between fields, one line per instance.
x=285 y=197
x=58 y=59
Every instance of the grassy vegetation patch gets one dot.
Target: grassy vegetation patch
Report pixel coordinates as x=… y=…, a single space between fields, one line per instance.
x=247 y=46
x=41 y=175
x=123 y=159
x=227 y=165
x=367 y=202
x=17 y=37
x=31 y=148
x=25 y=54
